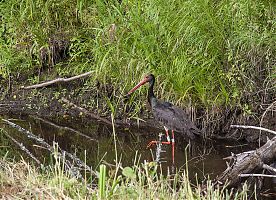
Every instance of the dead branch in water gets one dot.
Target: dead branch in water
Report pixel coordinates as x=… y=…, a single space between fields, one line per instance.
x=249 y=162
x=83 y=110
x=70 y=165
x=23 y=148
x=58 y=80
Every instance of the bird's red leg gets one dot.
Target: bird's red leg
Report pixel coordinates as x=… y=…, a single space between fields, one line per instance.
x=173 y=145
x=155 y=142
x=168 y=137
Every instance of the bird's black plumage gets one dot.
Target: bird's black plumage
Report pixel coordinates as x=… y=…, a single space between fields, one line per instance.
x=174 y=118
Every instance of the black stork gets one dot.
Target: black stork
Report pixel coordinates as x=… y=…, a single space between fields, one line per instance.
x=172 y=117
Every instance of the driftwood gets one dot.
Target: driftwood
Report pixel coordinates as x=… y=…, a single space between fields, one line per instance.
x=247 y=163
x=58 y=80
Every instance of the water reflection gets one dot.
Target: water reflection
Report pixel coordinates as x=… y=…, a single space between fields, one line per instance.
x=94 y=143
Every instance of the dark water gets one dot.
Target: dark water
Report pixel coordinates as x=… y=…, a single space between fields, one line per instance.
x=95 y=142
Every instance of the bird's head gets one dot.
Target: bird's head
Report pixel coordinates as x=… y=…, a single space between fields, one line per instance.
x=148 y=78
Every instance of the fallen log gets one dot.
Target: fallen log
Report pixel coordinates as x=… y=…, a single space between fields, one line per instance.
x=248 y=162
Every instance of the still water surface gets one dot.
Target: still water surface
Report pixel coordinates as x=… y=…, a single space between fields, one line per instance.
x=95 y=142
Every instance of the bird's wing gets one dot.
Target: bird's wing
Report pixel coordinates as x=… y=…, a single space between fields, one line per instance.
x=174 y=118
x=184 y=118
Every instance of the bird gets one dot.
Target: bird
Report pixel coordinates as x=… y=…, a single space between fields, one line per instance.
x=171 y=117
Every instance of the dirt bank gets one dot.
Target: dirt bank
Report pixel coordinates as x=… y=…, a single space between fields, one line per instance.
x=47 y=102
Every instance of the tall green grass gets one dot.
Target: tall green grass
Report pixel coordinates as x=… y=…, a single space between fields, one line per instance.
x=205 y=51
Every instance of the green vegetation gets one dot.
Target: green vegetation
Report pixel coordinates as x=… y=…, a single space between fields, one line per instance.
x=210 y=52
x=21 y=180
x=202 y=51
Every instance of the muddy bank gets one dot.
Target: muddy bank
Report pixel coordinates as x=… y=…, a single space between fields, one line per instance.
x=48 y=102
x=56 y=101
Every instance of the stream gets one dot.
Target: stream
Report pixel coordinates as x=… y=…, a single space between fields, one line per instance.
x=96 y=140
x=93 y=143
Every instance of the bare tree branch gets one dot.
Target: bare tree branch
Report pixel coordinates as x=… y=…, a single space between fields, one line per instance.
x=23 y=148
x=257 y=175
x=58 y=80
x=253 y=127
x=266 y=110
x=41 y=141
x=265 y=166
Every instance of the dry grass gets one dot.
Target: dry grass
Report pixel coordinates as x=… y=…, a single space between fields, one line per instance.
x=22 y=180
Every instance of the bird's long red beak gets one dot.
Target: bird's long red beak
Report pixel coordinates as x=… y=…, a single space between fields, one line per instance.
x=145 y=80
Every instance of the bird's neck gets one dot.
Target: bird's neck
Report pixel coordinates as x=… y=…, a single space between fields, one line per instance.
x=151 y=96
